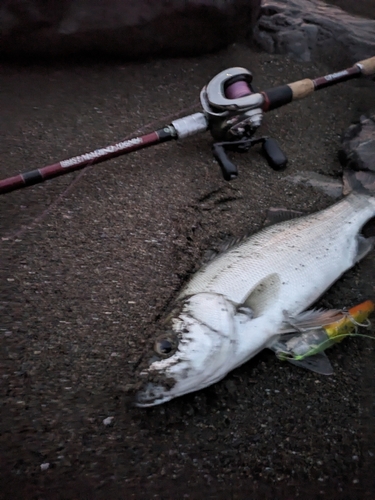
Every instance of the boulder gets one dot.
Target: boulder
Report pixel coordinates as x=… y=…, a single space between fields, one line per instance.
x=358 y=145
x=305 y=29
x=128 y=28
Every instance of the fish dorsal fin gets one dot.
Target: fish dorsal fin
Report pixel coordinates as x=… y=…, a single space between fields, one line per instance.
x=223 y=247
x=276 y=215
x=309 y=320
x=264 y=294
x=319 y=363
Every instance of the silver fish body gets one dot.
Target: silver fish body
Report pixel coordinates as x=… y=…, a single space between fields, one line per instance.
x=242 y=301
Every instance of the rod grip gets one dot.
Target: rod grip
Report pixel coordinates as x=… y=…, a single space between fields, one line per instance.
x=367 y=66
x=302 y=88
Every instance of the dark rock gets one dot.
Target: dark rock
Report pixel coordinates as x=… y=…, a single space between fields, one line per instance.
x=358 y=145
x=122 y=27
x=305 y=29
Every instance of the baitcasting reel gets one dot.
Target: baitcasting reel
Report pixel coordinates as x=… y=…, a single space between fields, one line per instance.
x=234 y=111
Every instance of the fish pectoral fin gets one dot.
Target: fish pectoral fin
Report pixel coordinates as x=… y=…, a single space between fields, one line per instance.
x=263 y=295
x=276 y=215
x=309 y=320
x=319 y=363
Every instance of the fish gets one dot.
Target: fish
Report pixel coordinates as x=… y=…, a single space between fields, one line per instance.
x=256 y=291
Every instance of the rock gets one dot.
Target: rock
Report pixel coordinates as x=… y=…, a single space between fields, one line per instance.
x=328 y=185
x=122 y=27
x=305 y=29
x=108 y=421
x=358 y=145
x=357 y=153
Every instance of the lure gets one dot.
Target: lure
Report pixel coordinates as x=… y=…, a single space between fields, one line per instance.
x=297 y=348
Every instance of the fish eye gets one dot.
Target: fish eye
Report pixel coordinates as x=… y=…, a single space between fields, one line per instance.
x=165 y=346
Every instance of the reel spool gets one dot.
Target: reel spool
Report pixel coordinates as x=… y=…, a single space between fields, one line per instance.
x=237 y=88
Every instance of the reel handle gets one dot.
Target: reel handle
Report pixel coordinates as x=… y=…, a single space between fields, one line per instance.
x=228 y=169
x=271 y=150
x=275 y=156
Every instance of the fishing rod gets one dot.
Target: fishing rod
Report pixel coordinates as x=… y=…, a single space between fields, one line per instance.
x=232 y=112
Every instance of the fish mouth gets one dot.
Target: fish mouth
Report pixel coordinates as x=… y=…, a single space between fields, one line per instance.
x=152 y=395
x=154 y=388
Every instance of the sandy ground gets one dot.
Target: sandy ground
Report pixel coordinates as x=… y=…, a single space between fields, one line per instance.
x=90 y=261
